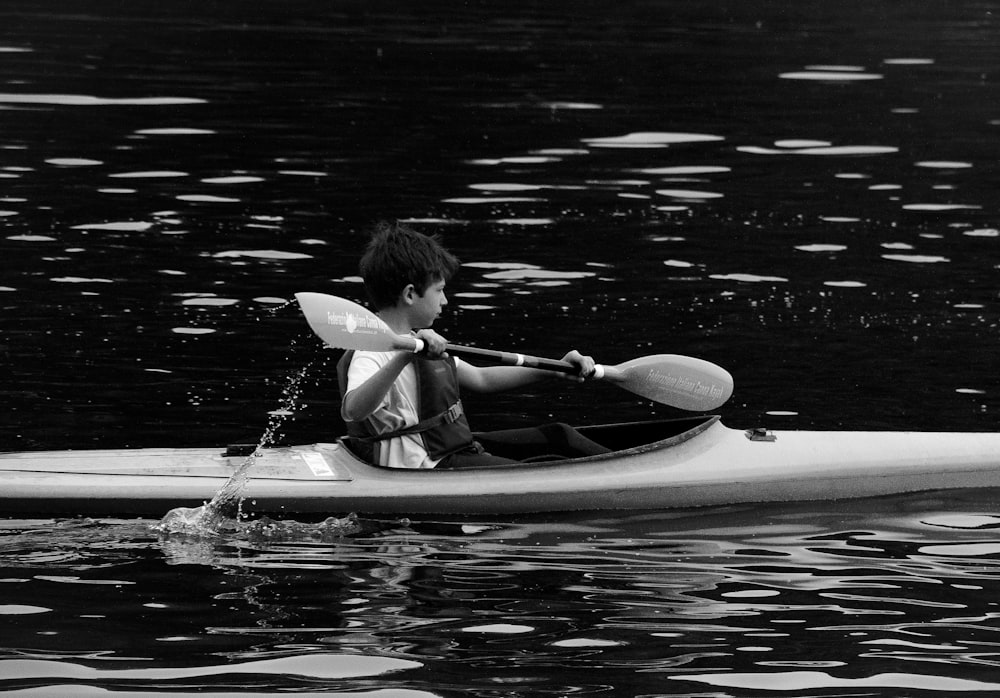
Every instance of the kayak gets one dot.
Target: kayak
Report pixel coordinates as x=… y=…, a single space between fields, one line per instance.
x=662 y=464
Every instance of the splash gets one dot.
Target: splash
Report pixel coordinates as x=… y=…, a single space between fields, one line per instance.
x=329 y=530
x=223 y=513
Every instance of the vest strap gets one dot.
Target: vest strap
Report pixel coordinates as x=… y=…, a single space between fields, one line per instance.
x=452 y=414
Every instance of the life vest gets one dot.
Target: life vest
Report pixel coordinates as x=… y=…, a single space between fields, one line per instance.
x=443 y=427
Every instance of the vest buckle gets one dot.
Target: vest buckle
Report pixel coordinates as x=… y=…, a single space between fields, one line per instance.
x=453 y=413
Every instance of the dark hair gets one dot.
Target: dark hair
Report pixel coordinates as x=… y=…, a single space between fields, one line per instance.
x=397 y=256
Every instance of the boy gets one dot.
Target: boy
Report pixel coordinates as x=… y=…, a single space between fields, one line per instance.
x=406 y=406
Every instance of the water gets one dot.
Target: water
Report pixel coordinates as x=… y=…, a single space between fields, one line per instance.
x=802 y=193
x=863 y=598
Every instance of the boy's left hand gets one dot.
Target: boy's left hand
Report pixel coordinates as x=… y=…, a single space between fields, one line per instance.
x=584 y=364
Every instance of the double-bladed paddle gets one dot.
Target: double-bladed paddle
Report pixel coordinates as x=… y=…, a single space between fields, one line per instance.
x=680 y=381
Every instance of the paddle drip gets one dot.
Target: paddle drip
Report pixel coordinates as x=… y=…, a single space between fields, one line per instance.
x=224 y=511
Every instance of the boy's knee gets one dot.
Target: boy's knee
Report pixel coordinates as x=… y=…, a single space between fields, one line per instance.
x=558 y=433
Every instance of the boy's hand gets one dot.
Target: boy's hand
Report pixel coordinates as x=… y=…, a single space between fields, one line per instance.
x=434 y=344
x=584 y=364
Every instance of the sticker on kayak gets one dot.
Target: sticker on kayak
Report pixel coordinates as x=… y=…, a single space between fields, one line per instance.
x=317 y=464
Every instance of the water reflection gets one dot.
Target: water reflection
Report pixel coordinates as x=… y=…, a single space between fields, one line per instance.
x=92 y=101
x=740 y=597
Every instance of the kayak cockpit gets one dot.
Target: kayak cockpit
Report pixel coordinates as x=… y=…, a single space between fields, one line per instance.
x=638 y=437
x=623 y=439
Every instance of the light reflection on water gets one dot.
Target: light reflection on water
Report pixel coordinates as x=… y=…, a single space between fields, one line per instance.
x=864 y=594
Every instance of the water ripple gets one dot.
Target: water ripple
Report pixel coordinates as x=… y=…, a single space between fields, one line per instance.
x=91 y=101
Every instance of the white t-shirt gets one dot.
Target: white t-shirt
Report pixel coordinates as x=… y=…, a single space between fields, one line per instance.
x=398 y=409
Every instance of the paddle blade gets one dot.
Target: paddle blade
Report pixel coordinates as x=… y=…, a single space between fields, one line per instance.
x=680 y=381
x=346 y=325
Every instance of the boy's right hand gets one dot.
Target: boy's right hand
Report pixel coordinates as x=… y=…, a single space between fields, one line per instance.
x=434 y=344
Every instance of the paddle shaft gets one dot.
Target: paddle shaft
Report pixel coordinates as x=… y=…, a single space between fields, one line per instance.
x=637 y=381
x=510 y=358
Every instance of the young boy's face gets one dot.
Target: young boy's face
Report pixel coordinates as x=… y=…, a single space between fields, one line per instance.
x=427 y=307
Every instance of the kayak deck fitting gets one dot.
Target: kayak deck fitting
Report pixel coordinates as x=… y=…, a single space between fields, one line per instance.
x=662 y=464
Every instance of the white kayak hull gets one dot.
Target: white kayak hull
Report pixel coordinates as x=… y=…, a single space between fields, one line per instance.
x=699 y=462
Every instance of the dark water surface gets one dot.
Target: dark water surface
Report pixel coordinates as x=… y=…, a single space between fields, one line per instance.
x=804 y=193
